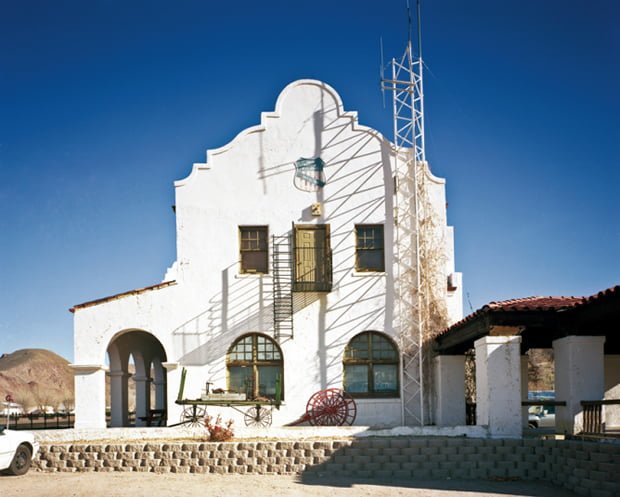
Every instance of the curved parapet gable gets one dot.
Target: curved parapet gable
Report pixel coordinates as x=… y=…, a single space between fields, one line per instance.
x=430 y=176
x=278 y=112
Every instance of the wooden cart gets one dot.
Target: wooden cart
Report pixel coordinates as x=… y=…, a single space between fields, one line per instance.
x=330 y=407
x=256 y=412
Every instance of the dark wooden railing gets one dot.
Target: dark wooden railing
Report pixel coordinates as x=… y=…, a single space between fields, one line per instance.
x=593 y=415
x=544 y=403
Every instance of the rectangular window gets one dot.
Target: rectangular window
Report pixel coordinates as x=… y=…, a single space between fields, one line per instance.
x=253 y=248
x=369 y=251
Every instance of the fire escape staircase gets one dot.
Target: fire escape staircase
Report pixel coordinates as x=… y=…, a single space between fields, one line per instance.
x=282 y=261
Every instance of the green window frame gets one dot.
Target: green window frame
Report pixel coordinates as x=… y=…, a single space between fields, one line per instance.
x=371 y=366
x=255 y=367
x=369 y=248
x=254 y=249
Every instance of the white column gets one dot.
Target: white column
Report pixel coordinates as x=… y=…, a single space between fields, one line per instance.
x=89 y=395
x=119 y=398
x=450 y=390
x=524 y=389
x=173 y=380
x=143 y=398
x=498 y=385
x=579 y=375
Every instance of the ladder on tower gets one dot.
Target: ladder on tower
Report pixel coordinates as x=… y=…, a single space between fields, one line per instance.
x=282 y=262
x=406 y=86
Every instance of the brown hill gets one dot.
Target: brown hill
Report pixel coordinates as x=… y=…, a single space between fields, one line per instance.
x=541 y=369
x=36 y=378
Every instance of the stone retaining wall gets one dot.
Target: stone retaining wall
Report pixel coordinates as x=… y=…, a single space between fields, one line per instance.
x=587 y=468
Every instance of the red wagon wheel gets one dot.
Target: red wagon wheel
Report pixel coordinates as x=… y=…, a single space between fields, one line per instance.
x=331 y=407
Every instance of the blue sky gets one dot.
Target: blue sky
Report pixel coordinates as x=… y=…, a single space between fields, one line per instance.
x=103 y=104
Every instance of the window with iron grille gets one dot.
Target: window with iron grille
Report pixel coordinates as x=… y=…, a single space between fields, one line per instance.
x=369 y=249
x=255 y=367
x=371 y=366
x=254 y=249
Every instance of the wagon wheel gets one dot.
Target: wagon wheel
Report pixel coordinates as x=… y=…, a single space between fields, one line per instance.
x=257 y=417
x=331 y=407
x=193 y=416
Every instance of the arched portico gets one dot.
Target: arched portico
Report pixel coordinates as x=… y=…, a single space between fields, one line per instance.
x=148 y=355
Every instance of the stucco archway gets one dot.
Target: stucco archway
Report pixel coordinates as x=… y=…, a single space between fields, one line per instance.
x=148 y=354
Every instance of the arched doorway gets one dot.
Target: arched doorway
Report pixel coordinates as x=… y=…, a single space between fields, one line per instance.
x=147 y=374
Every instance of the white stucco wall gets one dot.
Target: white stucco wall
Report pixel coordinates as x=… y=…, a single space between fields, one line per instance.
x=250 y=182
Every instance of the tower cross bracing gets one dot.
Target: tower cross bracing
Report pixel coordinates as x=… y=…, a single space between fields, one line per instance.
x=406 y=85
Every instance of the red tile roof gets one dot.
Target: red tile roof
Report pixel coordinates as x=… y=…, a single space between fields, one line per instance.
x=535 y=304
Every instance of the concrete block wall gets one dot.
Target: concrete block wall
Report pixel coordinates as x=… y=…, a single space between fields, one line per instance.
x=587 y=468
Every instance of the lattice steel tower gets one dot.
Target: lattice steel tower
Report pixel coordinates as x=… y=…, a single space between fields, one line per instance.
x=406 y=85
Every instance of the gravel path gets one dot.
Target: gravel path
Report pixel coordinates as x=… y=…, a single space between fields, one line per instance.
x=38 y=484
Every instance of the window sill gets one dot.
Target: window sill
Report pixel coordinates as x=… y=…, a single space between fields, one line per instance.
x=252 y=275
x=368 y=274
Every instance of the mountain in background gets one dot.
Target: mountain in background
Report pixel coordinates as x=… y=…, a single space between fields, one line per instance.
x=541 y=369
x=35 y=378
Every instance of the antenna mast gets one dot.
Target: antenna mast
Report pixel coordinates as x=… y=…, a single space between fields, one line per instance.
x=408 y=116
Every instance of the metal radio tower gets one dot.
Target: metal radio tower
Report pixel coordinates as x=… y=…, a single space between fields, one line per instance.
x=408 y=114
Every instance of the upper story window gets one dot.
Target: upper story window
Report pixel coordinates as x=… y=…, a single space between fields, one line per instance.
x=369 y=248
x=254 y=249
x=371 y=366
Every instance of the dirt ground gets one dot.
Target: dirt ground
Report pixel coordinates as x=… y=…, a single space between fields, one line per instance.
x=38 y=484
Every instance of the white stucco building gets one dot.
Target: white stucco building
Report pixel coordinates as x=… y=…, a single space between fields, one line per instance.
x=285 y=273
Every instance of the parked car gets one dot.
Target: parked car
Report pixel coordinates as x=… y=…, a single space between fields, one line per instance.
x=17 y=449
x=538 y=417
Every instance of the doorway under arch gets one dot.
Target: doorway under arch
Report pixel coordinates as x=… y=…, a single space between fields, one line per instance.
x=148 y=376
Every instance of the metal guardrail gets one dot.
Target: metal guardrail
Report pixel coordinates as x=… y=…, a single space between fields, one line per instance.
x=55 y=421
x=39 y=421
